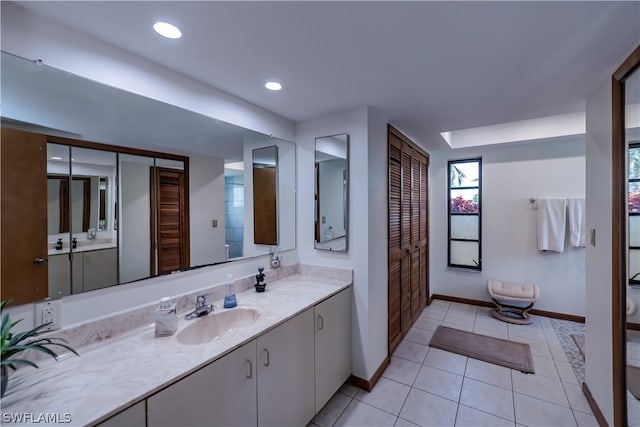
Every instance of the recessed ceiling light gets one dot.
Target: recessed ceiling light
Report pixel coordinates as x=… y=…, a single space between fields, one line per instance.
x=56 y=158
x=167 y=30
x=273 y=85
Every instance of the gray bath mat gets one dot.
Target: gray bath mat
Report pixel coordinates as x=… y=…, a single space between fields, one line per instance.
x=501 y=352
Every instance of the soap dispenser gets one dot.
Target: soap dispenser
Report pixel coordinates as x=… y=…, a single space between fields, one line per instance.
x=166 y=318
x=229 y=293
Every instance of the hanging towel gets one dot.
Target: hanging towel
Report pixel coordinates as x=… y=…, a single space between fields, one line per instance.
x=552 y=216
x=577 y=224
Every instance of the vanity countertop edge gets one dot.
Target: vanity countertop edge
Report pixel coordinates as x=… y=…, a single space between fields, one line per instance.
x=113 y=375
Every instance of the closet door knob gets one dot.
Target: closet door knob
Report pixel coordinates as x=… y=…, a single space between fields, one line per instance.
x=40 y=260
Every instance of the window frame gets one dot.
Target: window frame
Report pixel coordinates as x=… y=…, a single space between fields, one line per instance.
x=450 y=214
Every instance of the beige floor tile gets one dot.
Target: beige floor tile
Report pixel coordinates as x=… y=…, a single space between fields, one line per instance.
x=438 y=304
x=566 y=372
x=360 y=414
x=540 y=387
x=586 y=420
x=426 y=323
x=490 y=324
x=539 y=348
x=427 y=410
x=460 y=319
x=545 y=367
x=436 y=381
x=469 y=417
x=487 y=398
x=419 y=336
x=533 y=412
x=387 y=395
x=402 y=370
x=404 y=423
x=576 y=398
x=468 y=328
x=330 y=412
x=411 y=351
x=349 y=389
x=431 y=313
x=488 y=373
x=446 y=361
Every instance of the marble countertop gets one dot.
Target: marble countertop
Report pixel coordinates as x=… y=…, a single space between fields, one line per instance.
x=83 y=247
x=111 y=375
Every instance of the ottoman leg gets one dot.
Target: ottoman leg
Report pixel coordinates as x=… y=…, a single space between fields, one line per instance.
x=501 y=312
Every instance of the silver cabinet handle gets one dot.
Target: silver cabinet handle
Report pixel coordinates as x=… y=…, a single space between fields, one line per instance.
x=250 y=373
x=266 y=360
x=40 y=260
x=320 y=322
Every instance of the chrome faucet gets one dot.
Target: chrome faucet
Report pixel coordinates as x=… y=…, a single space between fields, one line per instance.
x=202 y=308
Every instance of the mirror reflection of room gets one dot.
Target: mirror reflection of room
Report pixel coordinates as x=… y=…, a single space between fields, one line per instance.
x=331 y=195
x=127 y=200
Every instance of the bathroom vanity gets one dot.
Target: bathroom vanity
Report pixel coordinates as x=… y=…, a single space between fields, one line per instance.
x=279 y=364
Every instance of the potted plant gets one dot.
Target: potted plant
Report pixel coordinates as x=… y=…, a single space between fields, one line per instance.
x=13 y=343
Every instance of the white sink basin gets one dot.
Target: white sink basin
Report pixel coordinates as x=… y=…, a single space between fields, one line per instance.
x=217 y=325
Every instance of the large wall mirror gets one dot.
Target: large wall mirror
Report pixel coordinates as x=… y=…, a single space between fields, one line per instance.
x=130 y=187
x=332 y=193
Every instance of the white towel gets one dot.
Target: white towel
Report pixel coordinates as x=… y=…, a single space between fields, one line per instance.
x=577 y=224
x=552 y=216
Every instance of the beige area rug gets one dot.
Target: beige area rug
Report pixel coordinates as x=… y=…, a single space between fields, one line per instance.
x=580 y=343
x=501 y=352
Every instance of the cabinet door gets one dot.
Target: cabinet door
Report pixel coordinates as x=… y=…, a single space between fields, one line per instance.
x=134 y=416
x=222 y=393
x=59 y=276
x=285 y=373
x=332 y=345
x=77 y=273
x=100 y=268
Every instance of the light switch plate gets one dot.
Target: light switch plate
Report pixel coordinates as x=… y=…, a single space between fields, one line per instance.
x=214 y=223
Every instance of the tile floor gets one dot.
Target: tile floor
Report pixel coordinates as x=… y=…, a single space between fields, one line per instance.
x=424 y=386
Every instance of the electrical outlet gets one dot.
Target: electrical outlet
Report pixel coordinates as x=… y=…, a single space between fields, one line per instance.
x=48 y=311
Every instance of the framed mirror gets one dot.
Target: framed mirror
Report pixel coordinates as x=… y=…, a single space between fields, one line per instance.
x=126 y=161
x=331 y=178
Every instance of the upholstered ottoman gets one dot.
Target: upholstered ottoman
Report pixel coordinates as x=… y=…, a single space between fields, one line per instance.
x=504 y=294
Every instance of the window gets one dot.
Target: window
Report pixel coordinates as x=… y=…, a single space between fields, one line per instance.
x=634 y=213
x=464 y=213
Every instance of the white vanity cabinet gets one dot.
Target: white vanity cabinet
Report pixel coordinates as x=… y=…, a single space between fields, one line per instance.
x=285 y=373
x=222 y=393
x=281 y=378
x=91 y=270
x=332 y=345
x=60 y=275
x=100 y=268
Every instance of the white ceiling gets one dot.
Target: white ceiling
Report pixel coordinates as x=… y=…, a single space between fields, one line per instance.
x=429 y=67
